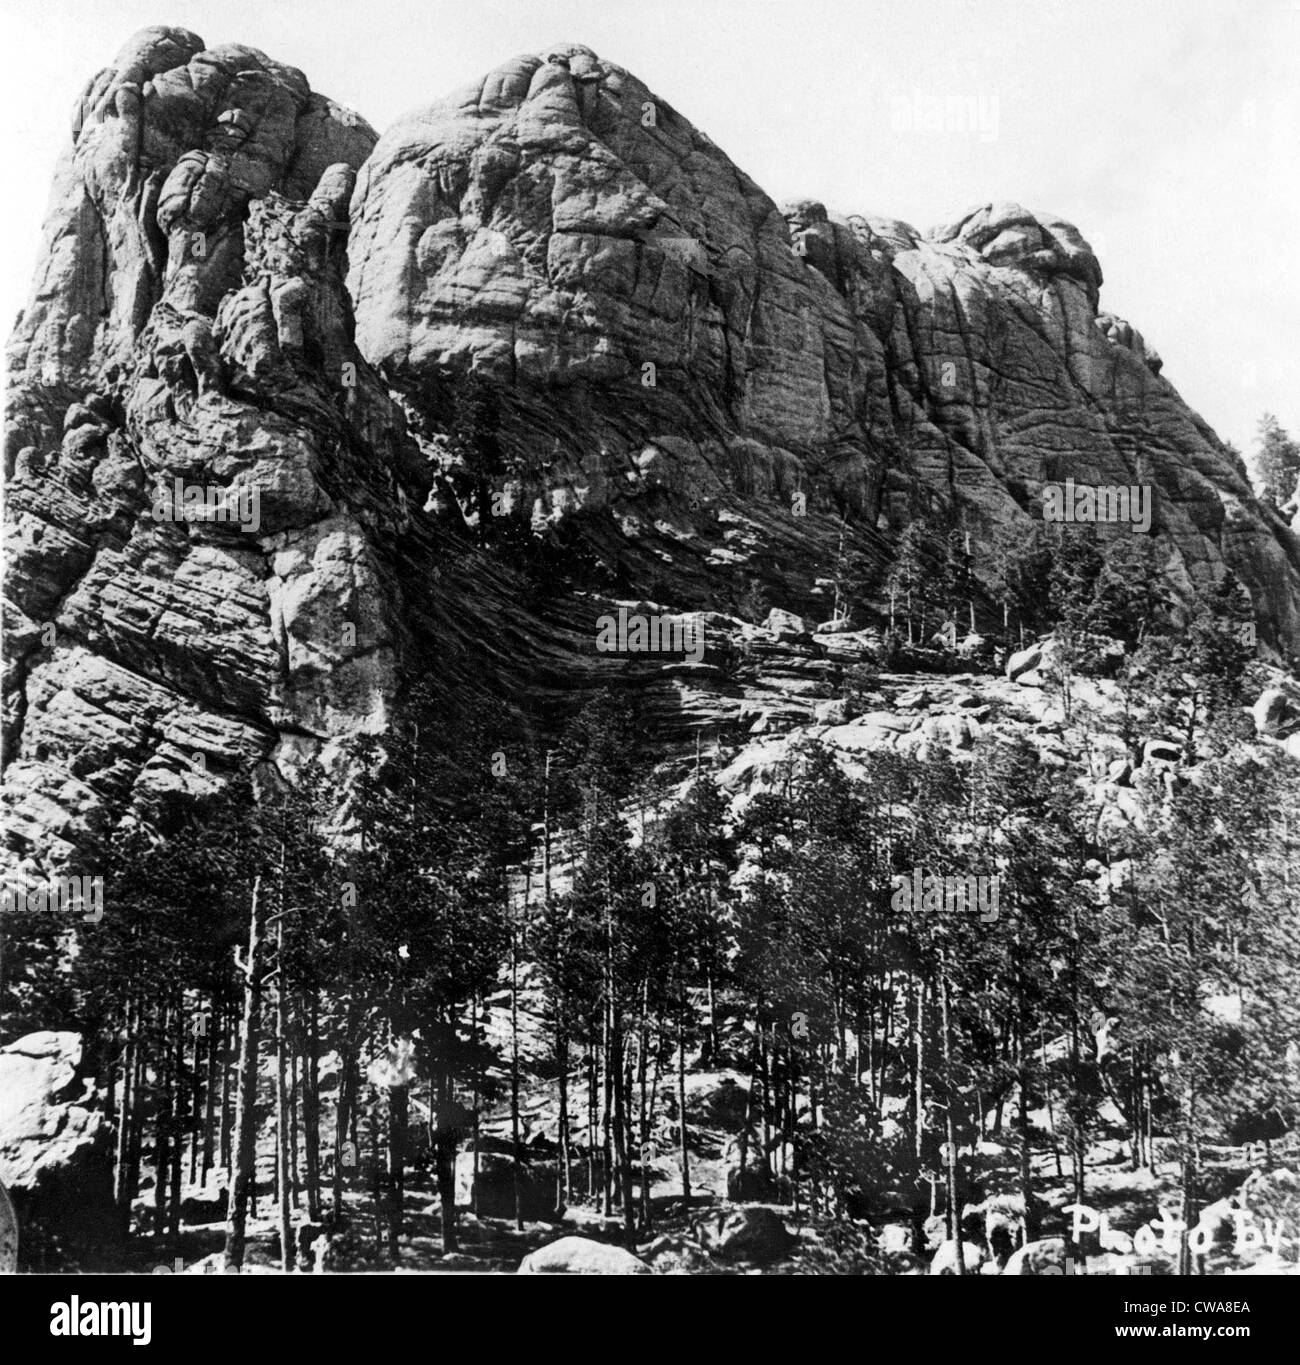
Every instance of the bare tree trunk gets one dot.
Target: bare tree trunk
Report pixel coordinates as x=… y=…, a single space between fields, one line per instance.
x=164 y=1118
x=195 y=1094
x=347 y=1100
x=1135 y=1111
x=311 y=1108
x=590 y=1062
x=623 y=1140
x=565 y=1191
x=711 y=1036
x=954 y=1206
x=295 y=1183
x=282 y=1101
x=125 y=1115
x=642 y=1082
x=210 y=1089
x=681 y=1106
x=399 y=1104
x=245 y=1136
x=918 y=1094
x=607 y=1084
x=1149 y=1109
x=1077 y=1149
x=886 y=1032
x=918 y=1109
x=378 y=1175
x=1051 y=1115
x=747 y=1121
x=517 y=1146
x=1026 y=1154
x=1187 y=1263
x=134 y=1148
x=223 y=1149
x=766 y=1108
x=178 y=1140
x=445 y=1155
x=473 y=1032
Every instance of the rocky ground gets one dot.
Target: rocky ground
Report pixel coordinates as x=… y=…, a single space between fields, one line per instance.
x=717 y=1235
x=244 y=288
x=778 y=691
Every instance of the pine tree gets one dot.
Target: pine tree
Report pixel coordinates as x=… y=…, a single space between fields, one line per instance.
x=1277 y=462
x=473 y=443
x=1206 y=931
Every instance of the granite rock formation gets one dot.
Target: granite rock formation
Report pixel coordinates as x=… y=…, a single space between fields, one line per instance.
x=245 y=293
x=189 y=325
x=697 y=355
x=56 y=1154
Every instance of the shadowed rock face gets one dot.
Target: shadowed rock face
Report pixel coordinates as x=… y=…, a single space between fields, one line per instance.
x=673 y=351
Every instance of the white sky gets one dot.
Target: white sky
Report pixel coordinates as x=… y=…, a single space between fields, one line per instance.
x=1167 y=130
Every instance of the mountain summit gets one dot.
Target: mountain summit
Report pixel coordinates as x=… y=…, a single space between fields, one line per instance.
x=245 y=294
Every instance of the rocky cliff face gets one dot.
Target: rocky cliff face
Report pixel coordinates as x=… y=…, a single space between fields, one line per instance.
x=56 y=1156
x=189 y=323
x=686 y=340
x=244 y=292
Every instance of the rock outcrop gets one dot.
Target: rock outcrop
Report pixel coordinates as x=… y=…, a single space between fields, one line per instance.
x=492 y=1194
x=747 y=1234
x=190 y=331
x=679 y=340
x=582 y=1256
x=56 y=1155
x=244 y=295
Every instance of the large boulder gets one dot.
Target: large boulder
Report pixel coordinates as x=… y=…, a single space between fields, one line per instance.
x=675 y=1254
x=1029 y=667
x=935 y=1231
x=1045 y=1257
x=8 y=1234
x=747 y=1234
x=755 y=1183
x=717 y=1102
x=492 y=1193
x=1275 y=713
x=1219 y=1221
x=1160 y=751
x=1024 y=661
x=201 y=1206
x=1271 y=1195
x=56 y=1155
x=834 y=712
x=582 y=1256
x=944 y=1261
x=1001 y=1219
x=785 y=625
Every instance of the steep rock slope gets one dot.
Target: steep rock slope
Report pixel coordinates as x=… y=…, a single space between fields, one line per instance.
x=189 y=324
x=716 y=381
x=666 y=330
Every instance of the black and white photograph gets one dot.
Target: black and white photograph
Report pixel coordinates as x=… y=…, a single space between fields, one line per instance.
x=651 y=639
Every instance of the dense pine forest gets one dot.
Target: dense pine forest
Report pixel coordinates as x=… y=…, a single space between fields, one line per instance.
x=563 y=716
x=511 y=959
